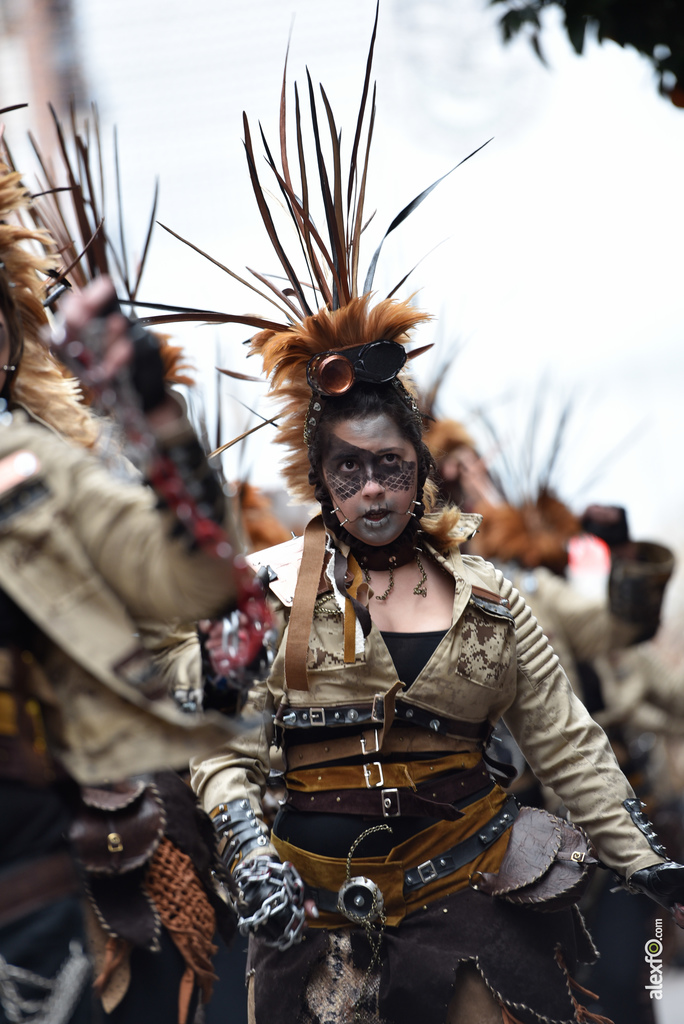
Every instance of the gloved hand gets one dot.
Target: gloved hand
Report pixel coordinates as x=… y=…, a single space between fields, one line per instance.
x=663 y=883
x=270 y=901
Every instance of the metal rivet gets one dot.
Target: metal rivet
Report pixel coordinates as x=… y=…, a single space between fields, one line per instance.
x=352 y=715
x=409 y=713
x=434 y=724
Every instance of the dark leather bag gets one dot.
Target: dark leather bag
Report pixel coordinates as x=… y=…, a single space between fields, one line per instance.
x=118 y=828
x=548 y=863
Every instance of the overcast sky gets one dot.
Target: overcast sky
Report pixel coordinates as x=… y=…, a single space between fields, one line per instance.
x=561 y=257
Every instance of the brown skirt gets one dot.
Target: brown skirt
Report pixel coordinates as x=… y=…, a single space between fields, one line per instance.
x=525 y=957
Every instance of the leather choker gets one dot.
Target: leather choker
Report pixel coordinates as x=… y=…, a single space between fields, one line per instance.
x=398 y=552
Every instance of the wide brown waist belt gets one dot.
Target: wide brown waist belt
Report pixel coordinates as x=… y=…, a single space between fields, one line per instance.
x=440 y=866
x=375 y=774
x=33 y=884
x=399 y=740
x=438 y=798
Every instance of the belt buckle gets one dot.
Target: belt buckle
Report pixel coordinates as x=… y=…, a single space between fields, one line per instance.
x=362 y=740
x=367 y=775
x=427 y=872
x=317 y=716
x=378 y=709
x=391 y=805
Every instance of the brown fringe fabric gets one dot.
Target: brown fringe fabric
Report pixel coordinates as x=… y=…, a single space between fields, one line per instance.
x=187 y=915
x=582 y=1014
x=115 y=951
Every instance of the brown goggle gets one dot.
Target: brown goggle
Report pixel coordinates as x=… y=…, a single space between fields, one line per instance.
x=333 y=373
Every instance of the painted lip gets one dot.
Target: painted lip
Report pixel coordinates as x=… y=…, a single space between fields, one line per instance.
x=376 y=515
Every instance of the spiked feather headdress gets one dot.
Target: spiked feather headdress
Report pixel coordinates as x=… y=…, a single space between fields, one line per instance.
x=324 y=308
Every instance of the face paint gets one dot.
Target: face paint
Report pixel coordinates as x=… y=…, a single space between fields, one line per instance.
x=370 y=470
x=387 y=471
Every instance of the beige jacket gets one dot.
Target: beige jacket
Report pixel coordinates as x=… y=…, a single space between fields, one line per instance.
x=488 y=665
x=89 y=558
x=579 y=628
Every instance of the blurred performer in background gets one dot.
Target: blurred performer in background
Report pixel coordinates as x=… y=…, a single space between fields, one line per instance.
x=529 y=543
x=85 y=559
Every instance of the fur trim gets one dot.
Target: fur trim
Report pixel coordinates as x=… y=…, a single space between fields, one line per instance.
x=258 y=519
x=176 y=364
x=286 y=353
x=443 y=435
x=534 y=534
x=40 y=384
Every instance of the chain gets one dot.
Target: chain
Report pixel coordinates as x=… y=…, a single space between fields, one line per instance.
x=377 y=911
x=420 y=590
x=381 y=597
x=62 y=993
x=287 y=895
x=359 y=840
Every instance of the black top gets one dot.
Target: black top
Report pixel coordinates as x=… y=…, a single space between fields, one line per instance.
x=411 y=651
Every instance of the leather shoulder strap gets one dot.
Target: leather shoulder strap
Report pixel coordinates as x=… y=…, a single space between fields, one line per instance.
x=301 y=617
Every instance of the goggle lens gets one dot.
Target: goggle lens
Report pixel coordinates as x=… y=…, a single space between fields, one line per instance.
x=333 y=373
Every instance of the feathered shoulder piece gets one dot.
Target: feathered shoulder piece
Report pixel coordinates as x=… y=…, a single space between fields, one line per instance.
x=285 y=355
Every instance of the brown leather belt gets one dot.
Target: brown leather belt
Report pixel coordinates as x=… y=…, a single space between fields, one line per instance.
x=33 y=884
x=374 y=774
x=437 y=798
x=399 y=740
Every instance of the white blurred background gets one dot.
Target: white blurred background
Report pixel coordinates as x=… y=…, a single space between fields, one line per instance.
x=561 y=259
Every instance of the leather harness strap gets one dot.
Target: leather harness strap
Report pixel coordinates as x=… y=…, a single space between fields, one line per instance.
x=437 y=798
x=301 y=617
x=408 y=740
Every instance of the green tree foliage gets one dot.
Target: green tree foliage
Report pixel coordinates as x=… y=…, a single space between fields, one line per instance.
x=653 y=27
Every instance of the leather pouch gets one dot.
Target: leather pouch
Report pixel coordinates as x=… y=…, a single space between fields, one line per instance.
x=548 y=863
x=118 y=828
